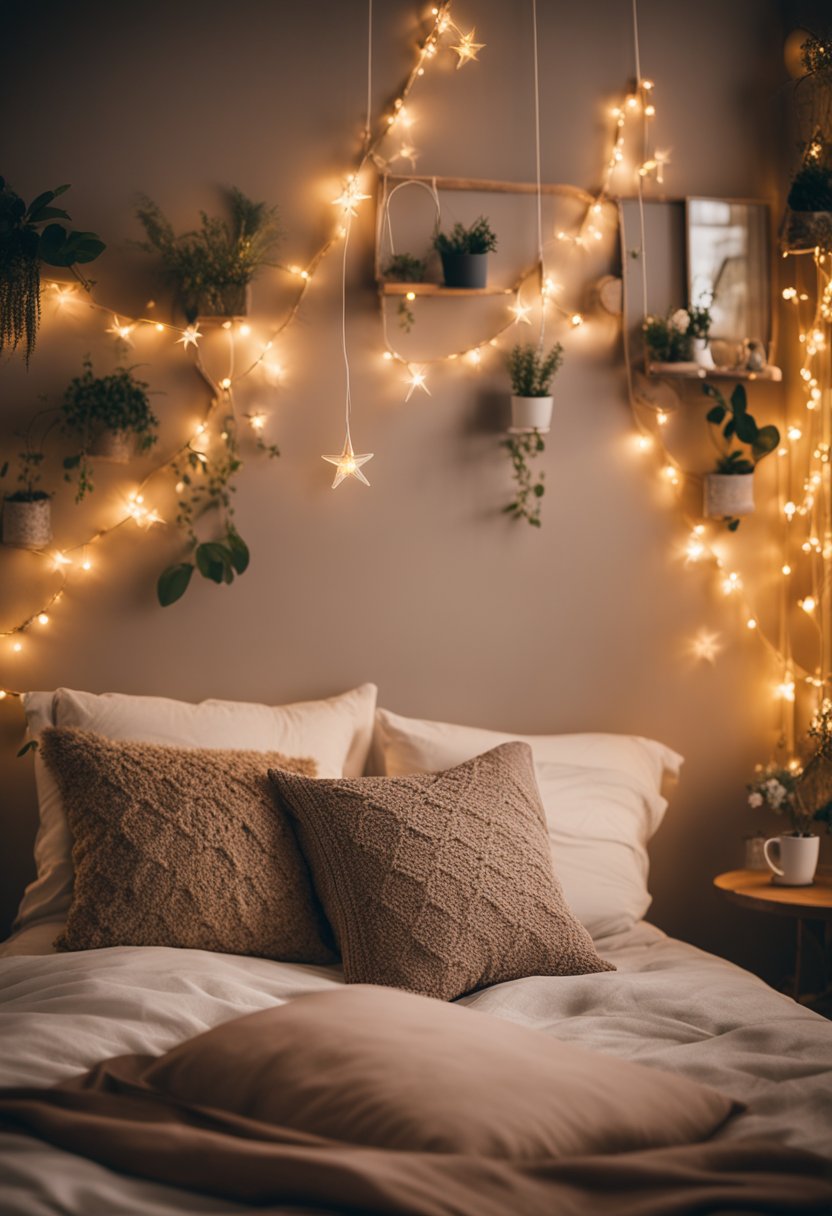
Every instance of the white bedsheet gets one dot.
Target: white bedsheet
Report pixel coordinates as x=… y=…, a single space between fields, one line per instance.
x=669 y=1005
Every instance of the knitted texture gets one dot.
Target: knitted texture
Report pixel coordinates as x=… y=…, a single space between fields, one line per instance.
x=439 y=883
x=183 y=847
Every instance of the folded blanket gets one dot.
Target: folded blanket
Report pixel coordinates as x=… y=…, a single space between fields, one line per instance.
x=397 y=1084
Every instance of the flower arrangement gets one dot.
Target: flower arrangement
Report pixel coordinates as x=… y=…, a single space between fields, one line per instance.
x=669 y=339
x=803 y=793
x=773 y=787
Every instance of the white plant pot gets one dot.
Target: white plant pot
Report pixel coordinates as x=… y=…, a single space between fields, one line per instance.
x=531 y=413
x=702 y=352
x=117 y=446
x=729 y=494
x=28 y=525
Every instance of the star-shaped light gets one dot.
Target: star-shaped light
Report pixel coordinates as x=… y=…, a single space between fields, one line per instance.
x=416 y=380
x=190 y=336
x=408 y=152
x=706 y=646
x=467 y=49
x=350 y=196
x=121 y=331
x=348 y=464
x=521 y=312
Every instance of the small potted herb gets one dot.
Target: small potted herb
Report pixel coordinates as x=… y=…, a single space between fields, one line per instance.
x=729 y=490
x=27 y=512
x=110 y=416
x=532 y=371
x=464 y=253
x=669 y=339
x=529 y=491
x=29 y=238
x=211 y=268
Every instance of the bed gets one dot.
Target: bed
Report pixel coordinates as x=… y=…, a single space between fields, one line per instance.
x=667 y=1005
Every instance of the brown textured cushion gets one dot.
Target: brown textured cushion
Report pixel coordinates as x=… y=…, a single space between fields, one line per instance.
x=439 y=883
x=183 y=847
x=372 y=1066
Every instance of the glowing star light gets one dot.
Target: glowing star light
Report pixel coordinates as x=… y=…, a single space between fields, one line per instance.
x=350 y=197
x=348 y=464
x=416 y=380
x=706 y=646
x=467 y=49
x=521 y=313
x=121 y=331
x=190 y=336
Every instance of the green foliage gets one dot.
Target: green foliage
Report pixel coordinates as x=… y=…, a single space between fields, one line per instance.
x=666 y=342
x=529 y=491
x=210 y=267
x=406 y=315
x=405 y=268
x=217 y=560
x=92 y=404
x=532 y=371
x=30 y=236
x=736 y=423
x=479 y=237
x=811 y=189
x=28 y=463
x=816 y=54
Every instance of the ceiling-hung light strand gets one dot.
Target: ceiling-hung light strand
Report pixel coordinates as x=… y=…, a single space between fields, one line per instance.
x=538 y=178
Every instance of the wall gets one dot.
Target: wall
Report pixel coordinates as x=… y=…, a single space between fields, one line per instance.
x=418 y=583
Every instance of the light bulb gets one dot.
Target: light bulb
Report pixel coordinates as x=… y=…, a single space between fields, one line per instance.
x=808 y=604
x=751 y=623
x=43 y=618
x=576 y=319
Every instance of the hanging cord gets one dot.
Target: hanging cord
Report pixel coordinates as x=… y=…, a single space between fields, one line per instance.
x=537 y=177
x=640 y=179
x=386 y=228
x=368 y=135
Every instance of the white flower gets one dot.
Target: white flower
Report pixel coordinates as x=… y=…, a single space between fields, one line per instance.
x=755 y=799
x=680 y=320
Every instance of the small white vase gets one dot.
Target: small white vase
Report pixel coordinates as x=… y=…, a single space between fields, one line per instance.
x=729 y=494
x=27 y=525
x=531 y=413
x=702 y=352
x=117 y=446
x=795 y=862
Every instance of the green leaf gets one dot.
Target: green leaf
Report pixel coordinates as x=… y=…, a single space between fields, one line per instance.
x=31 y=746
x=739 y=400
x=733 y=525
x=715 y=414
x=4 y=469
x=240 y=556
x=730 y=428
x=768 y=438
x=72 y=462
x=173 y=583
x=746 y=428
x=213 y=561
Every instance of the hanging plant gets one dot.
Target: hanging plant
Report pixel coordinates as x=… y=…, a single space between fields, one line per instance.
x=211 y=268
x=29 y=238
x=532 y=371
x=27 y=511
x=111 y=416
x=729 y=490
x=529 y=490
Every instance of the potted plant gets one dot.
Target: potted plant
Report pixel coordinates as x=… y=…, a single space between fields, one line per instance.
x=526 y=504
x=532 y=371
x=668 y=339
x=27 y=512
x=699 y=331
x=808 y=221
x=29 y=238
x=464 y=253
x=729 y=490
x=112 y=418
x=211 y=268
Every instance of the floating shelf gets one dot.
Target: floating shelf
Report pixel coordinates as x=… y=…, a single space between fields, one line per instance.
x=695 y=371
x=437 y=289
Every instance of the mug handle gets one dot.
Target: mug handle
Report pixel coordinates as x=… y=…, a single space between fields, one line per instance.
x=769 y=862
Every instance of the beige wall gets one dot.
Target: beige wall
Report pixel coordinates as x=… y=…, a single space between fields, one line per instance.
x=417 y=583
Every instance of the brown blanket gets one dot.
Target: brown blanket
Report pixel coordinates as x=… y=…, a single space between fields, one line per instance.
x=146 y=1117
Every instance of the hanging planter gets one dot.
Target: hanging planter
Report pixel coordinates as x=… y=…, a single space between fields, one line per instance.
x=115 y=446
x=27 y=241
x=464 y=253
x=531 y=413
x=27 y=521
x=729 y=490
x=212 y=268
x=532 y=372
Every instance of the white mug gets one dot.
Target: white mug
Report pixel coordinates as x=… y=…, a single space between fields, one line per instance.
x=797 y=857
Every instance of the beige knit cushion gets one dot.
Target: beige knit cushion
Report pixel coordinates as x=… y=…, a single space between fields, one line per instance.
x=183 y=847
x=439 y=883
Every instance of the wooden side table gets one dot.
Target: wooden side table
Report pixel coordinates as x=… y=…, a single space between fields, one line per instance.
x=810 y=907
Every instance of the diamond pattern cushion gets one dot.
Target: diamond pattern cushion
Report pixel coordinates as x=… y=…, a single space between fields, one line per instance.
x=439 y=883
x=184 y=847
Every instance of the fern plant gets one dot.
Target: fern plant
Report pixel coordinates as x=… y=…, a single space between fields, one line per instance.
x=211 y=267
x=532 y=371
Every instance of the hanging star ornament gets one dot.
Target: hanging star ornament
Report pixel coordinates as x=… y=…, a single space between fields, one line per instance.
x=467 y=49
x=350 y=197
x=348 y=464
x=190 y=336
x=416 y=380
x=521 y=313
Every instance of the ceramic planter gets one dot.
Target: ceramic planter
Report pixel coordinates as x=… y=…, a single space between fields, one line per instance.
x=465 y=269
x=117 y=446
x=27 y=524
x=702 y=352
x=729 y=494
x=793 y=860
x=531 y=413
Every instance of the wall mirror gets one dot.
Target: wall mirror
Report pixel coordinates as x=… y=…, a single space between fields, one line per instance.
x=699 y=250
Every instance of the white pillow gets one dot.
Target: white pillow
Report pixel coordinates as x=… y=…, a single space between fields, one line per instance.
x=336 y=733
x=601 y=793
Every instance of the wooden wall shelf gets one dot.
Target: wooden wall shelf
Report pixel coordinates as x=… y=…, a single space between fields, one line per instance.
x=695 y=371
x=437 y=289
